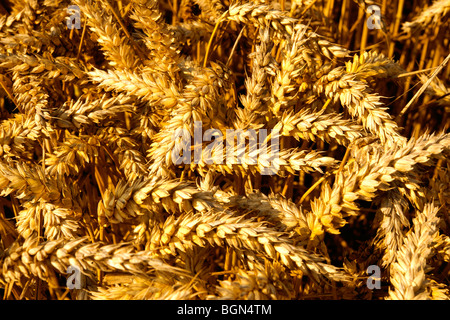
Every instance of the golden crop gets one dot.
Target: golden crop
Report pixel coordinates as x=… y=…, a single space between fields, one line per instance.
x=355 y=92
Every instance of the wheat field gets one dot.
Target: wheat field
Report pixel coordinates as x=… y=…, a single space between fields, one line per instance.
x=350 y=201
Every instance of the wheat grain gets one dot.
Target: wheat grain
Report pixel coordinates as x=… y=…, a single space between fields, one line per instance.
x=89 y=177
x=430 y=17
x=408 y=272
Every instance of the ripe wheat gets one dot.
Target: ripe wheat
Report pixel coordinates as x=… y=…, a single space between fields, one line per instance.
x=89 y=178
